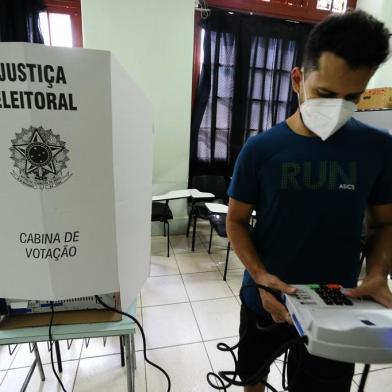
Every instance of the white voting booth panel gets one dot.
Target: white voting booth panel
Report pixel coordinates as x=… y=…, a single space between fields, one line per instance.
x=75 y=169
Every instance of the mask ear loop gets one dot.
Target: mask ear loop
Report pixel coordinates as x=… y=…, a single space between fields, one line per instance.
x=299 y=104
x=303 y=84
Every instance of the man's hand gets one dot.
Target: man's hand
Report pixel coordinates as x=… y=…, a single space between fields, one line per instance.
x=375 y=286
x=277 y=310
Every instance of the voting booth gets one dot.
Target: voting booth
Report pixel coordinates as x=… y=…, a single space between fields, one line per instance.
x=75 y=170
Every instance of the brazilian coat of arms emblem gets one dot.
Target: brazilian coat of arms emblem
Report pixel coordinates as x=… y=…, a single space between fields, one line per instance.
x=40 y=158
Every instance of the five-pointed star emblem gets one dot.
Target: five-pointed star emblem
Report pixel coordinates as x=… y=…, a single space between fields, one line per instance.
x=39 y=154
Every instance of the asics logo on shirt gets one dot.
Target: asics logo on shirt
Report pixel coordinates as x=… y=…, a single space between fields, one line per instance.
x=315 y=176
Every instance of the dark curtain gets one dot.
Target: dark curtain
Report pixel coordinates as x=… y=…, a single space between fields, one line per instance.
x=245 y=85
x=19 y=20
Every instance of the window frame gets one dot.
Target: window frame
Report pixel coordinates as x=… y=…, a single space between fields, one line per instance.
x=73 y=9
x=274 y=8
x=286 y=9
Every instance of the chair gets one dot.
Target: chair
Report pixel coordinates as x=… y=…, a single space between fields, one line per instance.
x=218 y=223
x=161 y=212
x=212 y=184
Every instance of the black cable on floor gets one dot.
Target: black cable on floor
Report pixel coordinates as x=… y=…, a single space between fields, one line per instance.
x=51 y=347
x=143 y=338
x=258 y=377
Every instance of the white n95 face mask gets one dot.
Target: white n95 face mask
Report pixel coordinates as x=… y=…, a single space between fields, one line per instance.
x=325 y=116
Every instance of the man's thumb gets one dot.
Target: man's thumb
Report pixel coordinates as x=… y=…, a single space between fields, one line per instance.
x=354 y=293
x=285 y=288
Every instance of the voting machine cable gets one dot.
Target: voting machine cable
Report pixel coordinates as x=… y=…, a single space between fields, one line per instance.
x=257 y=377
x=51 y=341
x=143 y=338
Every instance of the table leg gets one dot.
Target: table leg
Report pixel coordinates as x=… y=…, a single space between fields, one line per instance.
x=133 y=351
x=122 y=351
x=39 y=362
x=28 y=377
x=130 y=365
x=58 y=355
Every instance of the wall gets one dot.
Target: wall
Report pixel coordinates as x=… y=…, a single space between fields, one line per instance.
x=382 y=10
x=153 y=40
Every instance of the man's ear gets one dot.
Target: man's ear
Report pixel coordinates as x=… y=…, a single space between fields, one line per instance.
x=296 y=78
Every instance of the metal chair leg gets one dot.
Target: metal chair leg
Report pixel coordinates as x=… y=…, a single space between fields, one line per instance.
x=164 y=228
x=189 y=221
x=194 y=233
x=168 y=239
x=209 y=245
x=227 y=260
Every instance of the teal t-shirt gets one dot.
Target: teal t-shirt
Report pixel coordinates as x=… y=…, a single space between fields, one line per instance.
x=310 y=197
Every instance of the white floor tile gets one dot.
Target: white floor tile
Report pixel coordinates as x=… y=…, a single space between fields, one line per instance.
x=222 y=360
x=163 y=265
x=187 y=367
x=163 y=290
x=218 y=243
x=14 y=380
x=2 y=375
x=354 y=387
x=16 y=377
x=359 y=367
x=159 y=246
x=203 y=230
x=378 y=381
x=26 y=358
x=51 y=384
x=5 y=358
x=183 y=244
x=217 y=318
x=220 y=259
x=170 y=325
x=234 y=280
x=275 y=378
x=140 y=373
x=206 y=285
x=105 y=374
x=97 y=348
x=195 y=262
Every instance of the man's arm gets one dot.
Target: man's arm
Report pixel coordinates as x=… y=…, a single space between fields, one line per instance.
x=237 y=224
x=379 y=244
x=378 y=256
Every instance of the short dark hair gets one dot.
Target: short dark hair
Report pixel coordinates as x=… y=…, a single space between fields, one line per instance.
x=356 y=36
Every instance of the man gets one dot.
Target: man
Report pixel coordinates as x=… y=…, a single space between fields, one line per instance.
x=311 y=179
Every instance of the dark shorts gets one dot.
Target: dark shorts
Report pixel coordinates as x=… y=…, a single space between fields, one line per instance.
x=314 y=375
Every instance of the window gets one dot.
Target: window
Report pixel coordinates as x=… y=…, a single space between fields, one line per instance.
x=332 y=5
x=61 y=25
x=300 y=10
x=310 y=11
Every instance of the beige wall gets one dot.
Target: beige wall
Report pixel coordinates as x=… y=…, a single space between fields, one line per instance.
x=153 y=40
x=381 y=9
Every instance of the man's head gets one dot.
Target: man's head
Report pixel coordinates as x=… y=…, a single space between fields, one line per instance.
x=341 y=55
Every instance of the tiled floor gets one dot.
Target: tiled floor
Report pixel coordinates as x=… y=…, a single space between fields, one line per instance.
x=186 y=309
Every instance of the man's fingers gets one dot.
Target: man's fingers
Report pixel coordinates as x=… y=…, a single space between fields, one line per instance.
x=272 y=305
x=385 y=299
x=354 y=293
x=277 y=284
x=280 y=318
